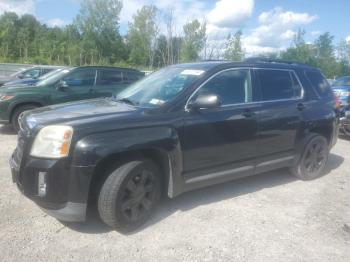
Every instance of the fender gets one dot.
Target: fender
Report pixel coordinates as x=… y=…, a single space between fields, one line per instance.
x=20 y=101
x=92 y=149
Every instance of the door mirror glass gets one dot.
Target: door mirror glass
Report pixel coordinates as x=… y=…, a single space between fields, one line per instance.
x=205 y=102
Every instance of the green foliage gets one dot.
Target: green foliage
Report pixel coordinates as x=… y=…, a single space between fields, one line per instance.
x=94 y=39
x=234 y=49
x=142 y=36
x=98 y=23
x=321 y=54
x=193 y=41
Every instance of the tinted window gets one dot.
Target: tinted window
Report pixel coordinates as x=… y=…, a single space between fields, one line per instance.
x=232 y=87
x=319 y=83
x=298 y=90
x=132 y=76
x=81 y=78
x=277 y=84
x=33 y=73
x=46 y=70
x=110 y=77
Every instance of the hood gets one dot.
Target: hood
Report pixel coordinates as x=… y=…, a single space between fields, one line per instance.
x=5 y=79
x=341 y=88
x=14 y=89
x=20 y=83
x=78 y=112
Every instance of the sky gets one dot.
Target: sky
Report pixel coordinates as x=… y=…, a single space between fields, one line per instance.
x=267 y=25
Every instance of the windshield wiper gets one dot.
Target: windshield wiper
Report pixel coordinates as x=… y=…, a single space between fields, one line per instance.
x=124 y=100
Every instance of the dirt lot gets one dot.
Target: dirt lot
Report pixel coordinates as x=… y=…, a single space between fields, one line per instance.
x=270 y=217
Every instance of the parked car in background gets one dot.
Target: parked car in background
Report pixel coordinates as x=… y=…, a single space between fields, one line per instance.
x=341 y=88
x=72 y=84
x=31 y=73
x=33 y=81
x=184 y=127
x=345 y=121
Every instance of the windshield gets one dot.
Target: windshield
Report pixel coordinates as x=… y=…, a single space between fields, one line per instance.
x=345 y=81
x=50 y=74
x=159 y=87
x=53 y=78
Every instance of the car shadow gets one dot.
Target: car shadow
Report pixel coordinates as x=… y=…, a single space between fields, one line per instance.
x=344 y=137
x=7 y=130
x=205 y=196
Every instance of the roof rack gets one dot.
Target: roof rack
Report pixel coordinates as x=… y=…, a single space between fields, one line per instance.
x=272 y=60
x=214 y=60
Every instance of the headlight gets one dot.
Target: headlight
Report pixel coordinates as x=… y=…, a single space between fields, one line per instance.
x=5 y=97
x=52 y=142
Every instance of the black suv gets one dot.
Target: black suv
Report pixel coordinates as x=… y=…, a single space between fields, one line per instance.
x=184 y=127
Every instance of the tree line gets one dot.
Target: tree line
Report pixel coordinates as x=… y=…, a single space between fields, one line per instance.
x=94 y=38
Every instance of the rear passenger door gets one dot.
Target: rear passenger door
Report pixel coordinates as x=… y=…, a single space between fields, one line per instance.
x=280 y=116
x=109 y=82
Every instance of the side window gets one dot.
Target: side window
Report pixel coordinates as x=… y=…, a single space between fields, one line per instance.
x=81 y=78
x=277 y=84
x=46 y=70
x=319 y=83
x=131 y=76
x=110 y=77
x=298 y=90
x=34 y=73
x=232 y=87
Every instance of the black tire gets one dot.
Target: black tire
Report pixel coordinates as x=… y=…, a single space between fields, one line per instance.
x=129 y=195
x=16 y=114
x=313 y=159
x=346 y=131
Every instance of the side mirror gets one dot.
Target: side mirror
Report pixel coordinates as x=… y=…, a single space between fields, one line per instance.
x=62 y=86
x=20 y=76
x=204 y=102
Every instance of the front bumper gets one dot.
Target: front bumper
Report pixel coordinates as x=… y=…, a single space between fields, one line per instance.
x=66 y=186
x=4 y=112
x=72 y=212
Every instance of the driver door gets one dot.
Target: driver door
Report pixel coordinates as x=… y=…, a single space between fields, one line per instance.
x=224 y=138
x=78 y=85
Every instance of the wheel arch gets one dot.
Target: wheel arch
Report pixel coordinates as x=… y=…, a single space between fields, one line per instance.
x=109 y=163
x=20 y=104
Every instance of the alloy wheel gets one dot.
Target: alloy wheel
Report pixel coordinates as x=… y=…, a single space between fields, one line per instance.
x=139 y=195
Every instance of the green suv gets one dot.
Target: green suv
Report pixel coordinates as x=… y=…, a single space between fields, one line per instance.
x=70 y=84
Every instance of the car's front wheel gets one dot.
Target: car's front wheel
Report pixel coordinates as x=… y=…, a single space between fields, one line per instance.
x=313 y=159
x=129 y=195
x=16 y=116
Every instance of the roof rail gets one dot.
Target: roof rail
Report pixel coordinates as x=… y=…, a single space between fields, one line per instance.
x=214 y=60
x=272 y=60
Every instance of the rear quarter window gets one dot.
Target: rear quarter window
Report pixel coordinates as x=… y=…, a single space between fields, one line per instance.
x=319 y=83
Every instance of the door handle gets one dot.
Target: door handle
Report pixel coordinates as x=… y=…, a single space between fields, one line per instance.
x=300 y=106
x=248 y=113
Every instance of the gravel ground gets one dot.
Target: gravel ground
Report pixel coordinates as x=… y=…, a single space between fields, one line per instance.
x=270 y=217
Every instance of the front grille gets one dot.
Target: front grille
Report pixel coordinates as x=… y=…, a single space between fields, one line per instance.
x=19 y=152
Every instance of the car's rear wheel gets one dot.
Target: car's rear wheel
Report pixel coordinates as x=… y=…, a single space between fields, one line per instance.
x=16 y=116
x=313 y=159
x=129 y=195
